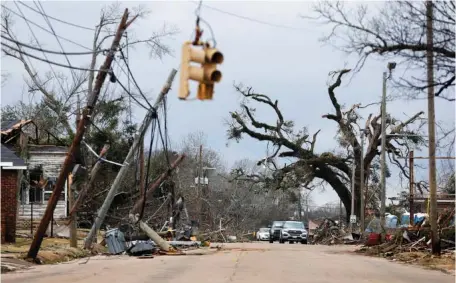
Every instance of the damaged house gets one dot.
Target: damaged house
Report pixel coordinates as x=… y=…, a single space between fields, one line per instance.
x=43 y=159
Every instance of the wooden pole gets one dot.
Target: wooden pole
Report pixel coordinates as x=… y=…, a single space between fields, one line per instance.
x=123 y=170
x=199 y=191
x=52 y=203
x=73 y=228
x=137 y=207
x=92 y=176
x=411 y=188
x=435 y=241
x=361 y=186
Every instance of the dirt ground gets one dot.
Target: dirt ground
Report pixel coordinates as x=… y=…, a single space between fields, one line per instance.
x=444 y=263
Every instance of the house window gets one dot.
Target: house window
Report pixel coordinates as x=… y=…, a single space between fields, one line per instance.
x=36 y=195
x=36 y=191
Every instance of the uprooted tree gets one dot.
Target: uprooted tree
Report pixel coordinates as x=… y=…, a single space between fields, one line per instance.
x=309 y=166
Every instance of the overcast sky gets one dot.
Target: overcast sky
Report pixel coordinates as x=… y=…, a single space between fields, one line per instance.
x=289 y=64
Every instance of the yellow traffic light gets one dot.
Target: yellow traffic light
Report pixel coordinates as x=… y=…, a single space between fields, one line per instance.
x=206 y=73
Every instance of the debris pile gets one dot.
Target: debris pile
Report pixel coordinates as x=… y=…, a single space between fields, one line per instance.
x=416 y=239
x=331 y=233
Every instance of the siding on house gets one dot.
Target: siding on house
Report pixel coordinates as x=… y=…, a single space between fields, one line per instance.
x=49 y=159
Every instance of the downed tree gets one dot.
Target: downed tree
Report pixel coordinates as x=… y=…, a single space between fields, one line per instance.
x=309 y=165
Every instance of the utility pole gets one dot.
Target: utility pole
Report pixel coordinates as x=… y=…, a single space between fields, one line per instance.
x=352 y=209
x=200 y=173
x=91 y=102
x=391 y=66
x=435 y=241
x=383 y=154
x=307 y=208
x=150 y=190
x=142 y=181
x=123 y=170
x=361 y=186
x=411 y=187
x=73 y=227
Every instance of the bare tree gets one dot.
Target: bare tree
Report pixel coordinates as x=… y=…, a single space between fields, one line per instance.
x=396 y=29
x=333 y=168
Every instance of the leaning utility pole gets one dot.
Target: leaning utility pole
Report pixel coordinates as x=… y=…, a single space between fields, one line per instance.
x=435 y=241
x=151 y=114
x=91 y=102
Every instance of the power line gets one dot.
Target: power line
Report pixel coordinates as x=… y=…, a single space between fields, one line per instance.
x=129 y=93
x=52 y=51
x=44 y=29
x=133 y=78
x=51 y=62
x=39 y=45
x=251 y=19
x=56 y=19
x=55 y=35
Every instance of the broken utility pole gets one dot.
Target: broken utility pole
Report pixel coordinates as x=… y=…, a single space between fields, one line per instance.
x=151 y=114
x=137 y=207
x=93 y=173
x=91 y=102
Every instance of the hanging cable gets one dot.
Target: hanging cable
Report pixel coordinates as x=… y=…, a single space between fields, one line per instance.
x=152 y=135
x=163 y=143
x=113 y=79
x=133 y=78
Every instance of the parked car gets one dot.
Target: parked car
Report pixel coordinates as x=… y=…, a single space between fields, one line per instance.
x=293 y=231
x=274 y=231
x=262 y=234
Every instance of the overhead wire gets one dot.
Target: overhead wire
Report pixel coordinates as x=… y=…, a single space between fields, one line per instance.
x=39 y=45
x=250 y=19
x=44 y=29
x=52 y=62
x=56 y=19
x=53 y=51
x=55 y=35
x=133 y=78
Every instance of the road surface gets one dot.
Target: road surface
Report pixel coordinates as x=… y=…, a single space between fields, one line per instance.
x=249 y=263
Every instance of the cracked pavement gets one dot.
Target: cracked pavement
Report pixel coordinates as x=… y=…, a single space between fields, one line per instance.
x=249 y=262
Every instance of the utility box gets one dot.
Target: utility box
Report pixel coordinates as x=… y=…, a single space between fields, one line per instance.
x=115 y=240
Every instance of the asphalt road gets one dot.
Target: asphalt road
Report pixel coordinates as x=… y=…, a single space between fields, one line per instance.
x=253 y=262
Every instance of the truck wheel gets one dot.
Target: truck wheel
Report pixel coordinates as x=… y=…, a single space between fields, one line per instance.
x=271 y=241
x=281 y=241
x=304 y=242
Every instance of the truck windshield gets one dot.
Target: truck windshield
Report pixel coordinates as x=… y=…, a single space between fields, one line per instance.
x=296 y=225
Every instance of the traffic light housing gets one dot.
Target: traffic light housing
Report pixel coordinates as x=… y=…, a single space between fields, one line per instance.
x=206 y=74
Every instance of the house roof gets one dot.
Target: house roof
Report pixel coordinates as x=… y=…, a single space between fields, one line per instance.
x=10 y=125
x=9 y=160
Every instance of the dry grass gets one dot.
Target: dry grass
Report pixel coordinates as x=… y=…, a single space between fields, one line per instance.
x=52 y=250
